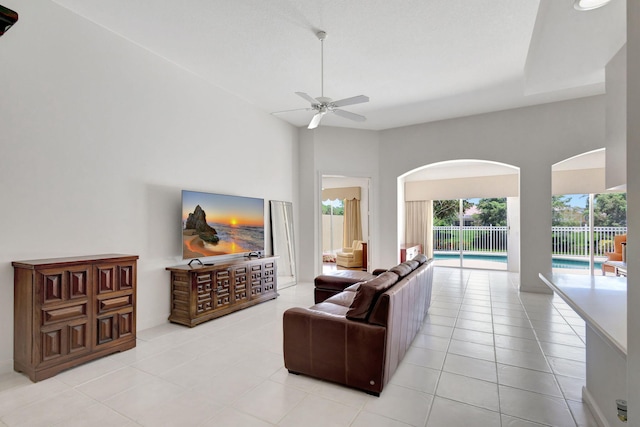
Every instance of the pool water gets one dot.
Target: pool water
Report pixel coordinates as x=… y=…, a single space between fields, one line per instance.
x=555 y=263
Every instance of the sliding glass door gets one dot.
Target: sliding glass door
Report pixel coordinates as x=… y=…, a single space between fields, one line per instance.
x=471 y=233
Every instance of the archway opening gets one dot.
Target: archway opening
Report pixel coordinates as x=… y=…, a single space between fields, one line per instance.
x=463 y=213
x=589 y=223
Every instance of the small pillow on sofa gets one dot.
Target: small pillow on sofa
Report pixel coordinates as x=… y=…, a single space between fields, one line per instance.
x=401 y=270
x=421 y=258
x=367 y=294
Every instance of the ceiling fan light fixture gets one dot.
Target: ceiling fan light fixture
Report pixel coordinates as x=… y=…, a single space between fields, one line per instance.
x=583 y=5
x=324 y=105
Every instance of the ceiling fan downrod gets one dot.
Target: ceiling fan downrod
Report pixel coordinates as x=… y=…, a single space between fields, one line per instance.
x=321 y=36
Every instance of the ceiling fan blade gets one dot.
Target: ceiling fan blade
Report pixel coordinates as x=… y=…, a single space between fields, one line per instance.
x=307 y=97
x=315 y=121
x=289 y=111
x=350 y=115
x=350 y=101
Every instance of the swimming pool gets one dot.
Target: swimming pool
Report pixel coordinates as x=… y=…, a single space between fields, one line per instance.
x=557 y=262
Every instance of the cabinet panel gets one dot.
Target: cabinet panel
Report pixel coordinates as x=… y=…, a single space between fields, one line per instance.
x=51 y=343
x=78 y=338
x=52 y=287
x=126 y=324
x=63 y=284
x=223 y=288
x=105 y=329
x=65 y=339
x=256 y=280
x=105 y=279
x=78 y=284
x=240 y=280
x=127 y=277
x=203 y=284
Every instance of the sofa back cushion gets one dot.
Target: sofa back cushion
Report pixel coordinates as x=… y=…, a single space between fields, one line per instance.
x=421 y=258
x=412 y=263
x=401 y=270
x=368 y=293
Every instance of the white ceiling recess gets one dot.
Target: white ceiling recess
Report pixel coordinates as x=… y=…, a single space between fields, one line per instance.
x=418 y=61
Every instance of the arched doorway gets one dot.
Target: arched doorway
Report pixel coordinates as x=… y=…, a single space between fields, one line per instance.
x=588 y=219
x=482 y=202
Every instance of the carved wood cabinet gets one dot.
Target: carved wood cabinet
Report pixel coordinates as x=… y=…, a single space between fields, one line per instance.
x=203 y=292
x=68 y=311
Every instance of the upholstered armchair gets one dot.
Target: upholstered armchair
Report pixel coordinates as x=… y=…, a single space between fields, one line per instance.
x=350 y=257
x=616 y=255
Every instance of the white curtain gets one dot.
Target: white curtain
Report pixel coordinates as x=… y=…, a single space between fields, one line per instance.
x=352 y=222
x=419 y=225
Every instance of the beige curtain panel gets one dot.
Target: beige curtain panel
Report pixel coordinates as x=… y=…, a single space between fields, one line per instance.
x=352 y=222
x=419 y=225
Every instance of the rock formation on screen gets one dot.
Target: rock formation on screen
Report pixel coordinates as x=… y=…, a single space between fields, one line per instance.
x=198 y=221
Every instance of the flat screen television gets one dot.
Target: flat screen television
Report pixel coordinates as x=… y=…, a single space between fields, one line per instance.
x=219 y=224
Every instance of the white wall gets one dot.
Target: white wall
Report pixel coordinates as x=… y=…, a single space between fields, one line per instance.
x=616 y=125
x=633 y=207
x=532 y=138
x=98 y=138
x=333 y=151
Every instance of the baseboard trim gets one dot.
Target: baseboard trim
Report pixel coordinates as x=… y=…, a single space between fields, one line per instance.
x=593 y=407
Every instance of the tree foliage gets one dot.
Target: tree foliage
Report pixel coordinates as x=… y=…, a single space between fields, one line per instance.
x=445 y=212
x=337 y=210
x=563 y=214
x=610 y=210
x=492 y=212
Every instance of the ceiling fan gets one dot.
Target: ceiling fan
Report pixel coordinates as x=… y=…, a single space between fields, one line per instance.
x=323 y=105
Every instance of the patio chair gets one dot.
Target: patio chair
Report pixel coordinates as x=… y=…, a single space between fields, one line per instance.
x=616 y=255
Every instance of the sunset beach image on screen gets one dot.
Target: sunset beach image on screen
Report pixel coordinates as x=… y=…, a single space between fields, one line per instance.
x=219 y=224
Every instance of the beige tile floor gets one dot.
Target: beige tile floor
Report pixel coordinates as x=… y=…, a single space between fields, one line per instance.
x=486 y=356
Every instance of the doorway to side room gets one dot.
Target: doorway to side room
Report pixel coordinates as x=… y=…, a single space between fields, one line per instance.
x=463 y=213
x=344 y=219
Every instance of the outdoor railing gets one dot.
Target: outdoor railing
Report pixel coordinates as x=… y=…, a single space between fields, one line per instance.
x=575 y=241
x=571 y=241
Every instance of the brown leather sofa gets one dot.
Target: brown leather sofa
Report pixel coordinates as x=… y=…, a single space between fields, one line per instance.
x=359 y=336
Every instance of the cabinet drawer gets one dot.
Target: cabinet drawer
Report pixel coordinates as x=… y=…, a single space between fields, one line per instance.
x=109 y=304
x=58 y=314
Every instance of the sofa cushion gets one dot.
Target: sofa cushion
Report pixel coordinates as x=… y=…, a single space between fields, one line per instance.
x=367 y=294
x=421 y=258
x=401 y=270
x=413 y=264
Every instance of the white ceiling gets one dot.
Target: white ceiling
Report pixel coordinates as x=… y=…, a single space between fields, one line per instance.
x=417 y=60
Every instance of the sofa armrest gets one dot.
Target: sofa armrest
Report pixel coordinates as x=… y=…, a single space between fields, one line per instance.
x=333 y=348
